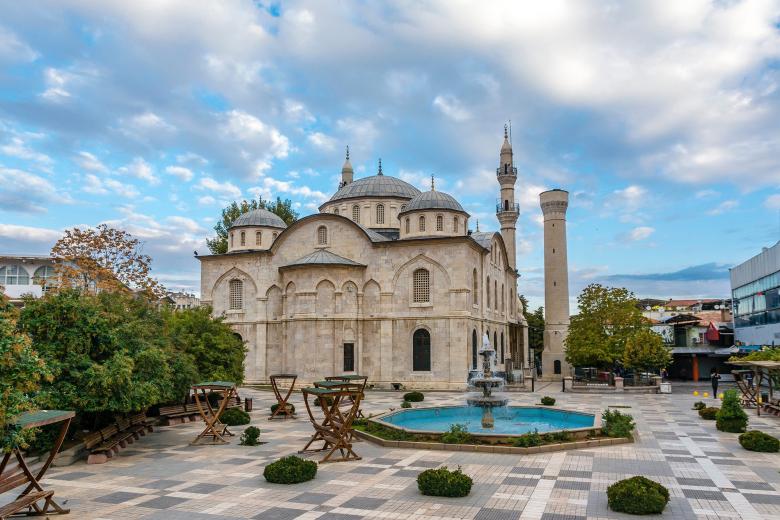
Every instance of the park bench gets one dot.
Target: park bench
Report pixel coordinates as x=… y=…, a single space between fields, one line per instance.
x=772 y=407
x=179 y=413
x=107 y=441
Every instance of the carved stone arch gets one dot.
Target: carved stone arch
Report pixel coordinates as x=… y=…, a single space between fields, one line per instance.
x=348 y=298
x=325 y=303
x=420 y=261
x=235 y=272
x=289 y=299
x=371 y=298
x=273 y=302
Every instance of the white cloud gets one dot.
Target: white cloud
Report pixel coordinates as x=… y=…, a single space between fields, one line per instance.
x=25 y=192
x=640 y=233
x=773 y=201
x=297 y=111
x=479 y=181
x=90 y=162
x=272 y=187
x=223 y=189
x=140 y=169
x=451 y=107
x=103 y=186
x=12 y=49
x=184 y=174
x=184 y=223
x=723 y=207
x=56 y=80
x=421 y=180
x=321 y=140
x=29 y=233
x=706 y=194
x=207 y=200
x=17 y=147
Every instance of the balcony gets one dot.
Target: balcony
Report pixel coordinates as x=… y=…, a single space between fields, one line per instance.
x=509 y=207
x=506 y=170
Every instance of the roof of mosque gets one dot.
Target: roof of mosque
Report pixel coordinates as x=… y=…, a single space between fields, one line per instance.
x=323 y=257
x=259 y=217
x=376 y=186
x=433 y=200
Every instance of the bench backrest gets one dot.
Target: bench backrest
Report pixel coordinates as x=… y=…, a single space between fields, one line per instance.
x=139 y=418
x=92 y=439
x=109 y=431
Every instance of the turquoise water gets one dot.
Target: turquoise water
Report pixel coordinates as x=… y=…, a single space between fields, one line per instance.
x=509 y=420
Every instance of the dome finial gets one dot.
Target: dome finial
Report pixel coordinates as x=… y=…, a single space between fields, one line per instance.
x=380 y=166
x=506 y=131
x=477 y=225
x=433 y=185
x=348 y=152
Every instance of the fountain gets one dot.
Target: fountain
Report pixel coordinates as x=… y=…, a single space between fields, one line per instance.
x=487 y=382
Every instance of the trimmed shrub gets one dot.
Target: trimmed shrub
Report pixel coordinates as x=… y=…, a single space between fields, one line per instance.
x=251 y=436
x=290 y=407
x=616 y=424
x=548 y=401
x=457 y=434
x=709 y=413
x=290 y=470
x=234 y=417
x=414 y=397
x=557 y=437
x=406 y=404
x=637 y=496
x=528 y=440
x=759 y=441
x=731 y=417
x=444 y=483
x=698 y=405
x=328 y=401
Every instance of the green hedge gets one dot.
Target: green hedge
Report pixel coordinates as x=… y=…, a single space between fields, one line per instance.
x=528 y=440
x=444 y=483
x=406 y=404
x=290 y=407
x=290 y=470
x=251 y=436
x=637 y=496
x=731 y=417
x=698 y=405
x=759 y=441
x=616 y=424
x=457 y=434
x=414 y=397
x=548 y=401
x=709 y=413
x=234 y=417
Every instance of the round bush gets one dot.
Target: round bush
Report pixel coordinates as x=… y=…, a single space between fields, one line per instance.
x=637 y=496
x=709 y=413
x=251 y=436
x=731 y=417
x=414 y=397
x=759 y=441
x=290 y=470
x=616 y=424
x=444 y=483
x=698 y=405
x=234 y=417
x=457 y=434
x=290 y=407
x=548 y=401
x=406 y=404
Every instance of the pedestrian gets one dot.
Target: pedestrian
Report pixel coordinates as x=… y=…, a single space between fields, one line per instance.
x=714 y=378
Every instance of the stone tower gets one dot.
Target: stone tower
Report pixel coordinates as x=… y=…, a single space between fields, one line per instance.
x=507 y=209
x=346 y=172
x=556 y=283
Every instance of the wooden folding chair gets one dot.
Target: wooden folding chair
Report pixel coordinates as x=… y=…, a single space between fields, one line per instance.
x=353 y=378
x=749 y=394
x=282 y=407
x=214 y=428
x=335 y=429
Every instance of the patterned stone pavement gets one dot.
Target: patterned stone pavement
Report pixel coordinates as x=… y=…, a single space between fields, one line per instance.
x=161 y=477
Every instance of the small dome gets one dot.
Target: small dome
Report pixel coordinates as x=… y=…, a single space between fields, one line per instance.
x=433 y=200
x=376 y=186
x=259 y=217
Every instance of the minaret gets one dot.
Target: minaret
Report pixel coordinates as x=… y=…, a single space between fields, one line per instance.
x=346 y=171
x=507 y=209
x=556 y=283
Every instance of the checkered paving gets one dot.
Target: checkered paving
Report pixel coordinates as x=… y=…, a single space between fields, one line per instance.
x=161 y=477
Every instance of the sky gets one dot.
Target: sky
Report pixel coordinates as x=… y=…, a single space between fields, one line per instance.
x=662 y=120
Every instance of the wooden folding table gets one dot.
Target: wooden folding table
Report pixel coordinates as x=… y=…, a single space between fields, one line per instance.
x=353 y=378
x=18 y=474
x=214 y=429
x=282 y=408
x=335 y=427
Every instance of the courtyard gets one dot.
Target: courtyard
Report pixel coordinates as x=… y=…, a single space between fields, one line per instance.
x=162 y=477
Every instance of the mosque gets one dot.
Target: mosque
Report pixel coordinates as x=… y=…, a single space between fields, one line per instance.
x=385 y=281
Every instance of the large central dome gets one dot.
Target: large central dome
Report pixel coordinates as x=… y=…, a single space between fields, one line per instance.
x=376 y=186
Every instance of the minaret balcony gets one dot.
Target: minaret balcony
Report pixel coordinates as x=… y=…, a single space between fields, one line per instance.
x=506 y=170
x=507 y=207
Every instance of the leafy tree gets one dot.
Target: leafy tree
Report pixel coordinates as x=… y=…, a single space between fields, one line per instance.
x=217 y=353
x=21 y=373
x=535 y=322
x=102 y=259
x=598 y=335
x=645 y=350
x=283 y=208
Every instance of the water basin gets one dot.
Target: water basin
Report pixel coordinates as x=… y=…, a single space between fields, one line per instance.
x=509 y=420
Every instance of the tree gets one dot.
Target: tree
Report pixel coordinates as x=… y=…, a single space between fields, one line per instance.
x=102 y=259
x=283 y=208
x=645 y=350
x=535 y=322
x=21 y=373
x=598 y=335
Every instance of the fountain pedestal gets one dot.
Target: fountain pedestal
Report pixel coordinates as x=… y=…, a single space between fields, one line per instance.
x=487 y=382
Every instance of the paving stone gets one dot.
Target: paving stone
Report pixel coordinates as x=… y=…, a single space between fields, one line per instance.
x=364 y=503
x=572 y=484
x=312 y=498
x=487 y=513
x=204 y=488
x=163 y=502
x=117 y=497
x=684 y=481
x=703 y=494
x=279 y=513
x=162 y=484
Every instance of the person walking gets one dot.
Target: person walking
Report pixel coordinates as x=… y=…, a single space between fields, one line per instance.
x=714 y=378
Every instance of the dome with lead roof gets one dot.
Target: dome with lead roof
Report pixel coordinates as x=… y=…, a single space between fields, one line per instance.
x=433 y=200
x=259 y=217
x=376 y=186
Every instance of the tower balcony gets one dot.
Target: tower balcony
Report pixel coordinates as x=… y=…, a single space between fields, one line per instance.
x=506 y=170
x=507 y=207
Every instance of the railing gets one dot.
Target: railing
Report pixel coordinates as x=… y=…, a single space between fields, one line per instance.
x=513 y=207
x=506 y=170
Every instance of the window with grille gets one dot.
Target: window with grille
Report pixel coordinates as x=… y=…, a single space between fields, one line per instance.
x=14 y=275
x=380 y=214
x=236 y=295
x=421 y=351
x=456 y=225
x=258 y=238
x=349 y=357
x=407 y=224
x=422 y=287
x=322 y=235
x=421 y=225
x=475 y=289
x=439 y=223
x=356 y=213
x=243 y=238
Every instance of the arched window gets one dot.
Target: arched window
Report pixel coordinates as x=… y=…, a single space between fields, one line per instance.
x=14 y=275
x=322 y=235
x=456 y=225
x=336 y=211
x=356 y=213
x=421 y=351
x=465 y=226
x=502 y=298
x=502 y=347
x=42 y=275
x=474 y=349
x=407 y=224
x=487 y=294
x=506 y=205
x=380 y=213
x=439 y=223
x=236 y=295
x=421 y=289
x=475 y=288
x=557 y=366
x=243 y=238
x=495 y=341
x=495 y=294
x=258 y=238
x=231 y=239
x=421 y=224
x=273 y=237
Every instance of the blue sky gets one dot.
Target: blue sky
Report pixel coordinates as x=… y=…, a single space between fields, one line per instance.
x=661 y=118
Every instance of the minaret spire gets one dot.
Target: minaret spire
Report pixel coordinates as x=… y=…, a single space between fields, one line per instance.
x=433 y=185
x=507 y=210
x=346 y=171
x=380 y=167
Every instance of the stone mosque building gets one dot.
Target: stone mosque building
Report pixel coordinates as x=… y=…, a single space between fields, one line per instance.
x=385 y=281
